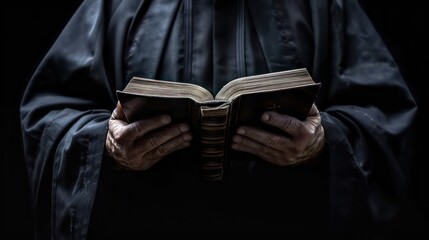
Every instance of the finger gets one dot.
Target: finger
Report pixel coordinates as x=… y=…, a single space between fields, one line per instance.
x=313 y=110
x=111 y=145
x=116 y=130
x=286 y=123
x=155 y=139
x=118 y=113
x=115 y=152
x=314 y=118
x=243 y=144
x=275 y=141
x=177 y=143
x=142 y=127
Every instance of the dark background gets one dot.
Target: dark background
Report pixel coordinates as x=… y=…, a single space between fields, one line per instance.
x=30 y=28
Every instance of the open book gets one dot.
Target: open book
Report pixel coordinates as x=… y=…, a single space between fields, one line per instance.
x=214 y=119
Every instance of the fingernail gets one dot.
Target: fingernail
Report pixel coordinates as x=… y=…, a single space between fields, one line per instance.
x=165 y=119
x=184 y=127
x=241 y=131
x=265 y=117
x=236 y=139
x=234 y=146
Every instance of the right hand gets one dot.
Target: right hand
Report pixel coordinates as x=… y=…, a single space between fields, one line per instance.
x=141 y=144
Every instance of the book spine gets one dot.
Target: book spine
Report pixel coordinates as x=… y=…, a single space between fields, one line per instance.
x=213 y=132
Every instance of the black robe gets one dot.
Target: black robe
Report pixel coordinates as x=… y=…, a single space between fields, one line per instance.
x=357 y=185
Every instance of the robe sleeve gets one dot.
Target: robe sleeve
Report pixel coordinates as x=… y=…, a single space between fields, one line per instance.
x=367 y=113
x=64 y=115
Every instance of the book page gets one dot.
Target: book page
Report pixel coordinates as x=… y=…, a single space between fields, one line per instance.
x=265 y=83
x=160 y=88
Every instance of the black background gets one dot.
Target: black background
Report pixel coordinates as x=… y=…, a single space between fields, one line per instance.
x=30 y=28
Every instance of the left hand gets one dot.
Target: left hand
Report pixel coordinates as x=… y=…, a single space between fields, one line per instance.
x=303 y=140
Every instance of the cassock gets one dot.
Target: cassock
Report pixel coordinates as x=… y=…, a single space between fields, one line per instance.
x=356 y=186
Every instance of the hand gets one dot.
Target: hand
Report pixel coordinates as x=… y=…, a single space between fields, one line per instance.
x=141 y=144
x=303 y=140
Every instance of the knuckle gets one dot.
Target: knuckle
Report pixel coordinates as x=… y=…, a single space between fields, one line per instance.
x=114 y=115
x=272 y=140
x=154 y=141
x=139 y=127
x=262 y=153
x=124 y=163
x=180 y=128
x=111 y=152
x=293 y=161
x=130 y=155
x=289 y=161
x=133 y=160
x=237 y=147
x=112 y=148
x=161 y=150
x=119 y=136
x=283 y=161
x=186 y=137
x=185 y=145
x=134 y=165
x=138 y=163
x=287 y=123
x=309 y=131
x=316 y=129
x=148 y=160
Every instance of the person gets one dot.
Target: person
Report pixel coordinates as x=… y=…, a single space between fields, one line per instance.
x=339 y=172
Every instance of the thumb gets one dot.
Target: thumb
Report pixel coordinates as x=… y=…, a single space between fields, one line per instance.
x=118 y=113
